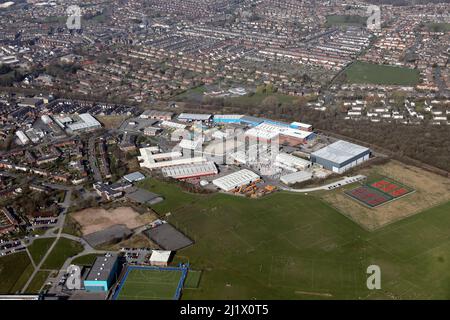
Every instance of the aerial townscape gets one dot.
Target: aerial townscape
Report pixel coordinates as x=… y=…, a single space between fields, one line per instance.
x=224 y=150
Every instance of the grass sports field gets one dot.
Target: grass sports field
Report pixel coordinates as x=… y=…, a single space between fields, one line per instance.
x=149 y=284
x=362 y=72
x=438 y=27
x=15 y=269
x=293 y=246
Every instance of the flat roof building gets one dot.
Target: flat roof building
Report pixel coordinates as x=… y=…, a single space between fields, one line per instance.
x=294 y=163
x=296 y=177
x=156 y=114
x=160 y=258
x=236 y=180
x=193 y=170
x=227 y=118
x=134 y=177
x=151 y=160
x=103 y=273
x=340 y=156
x=301 y=126
x=83 y=122
x=189 y=117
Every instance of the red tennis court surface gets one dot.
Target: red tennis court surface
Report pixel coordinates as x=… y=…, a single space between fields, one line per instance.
x=379 y=192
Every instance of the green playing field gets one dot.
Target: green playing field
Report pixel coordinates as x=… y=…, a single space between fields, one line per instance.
x=149 y=284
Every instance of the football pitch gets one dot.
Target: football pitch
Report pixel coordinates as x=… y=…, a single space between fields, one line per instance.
x=147 y=283
x=363 y=72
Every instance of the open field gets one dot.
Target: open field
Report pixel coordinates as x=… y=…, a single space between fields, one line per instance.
x=191 y=94
x=431 y=190
x=149 y=284
x=97 y=219
x=15 y=269
x=38 y=282
x=63 y=250
x=438 y=27
x=293 y=246
x=39 y=248
x=363 y=72
x=112 y=122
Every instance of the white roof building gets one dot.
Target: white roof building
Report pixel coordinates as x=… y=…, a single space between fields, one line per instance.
x=22 y=137
x=191 y=144
x=266 y=131
x=160 y=257
x=291 y=161
x=235 y=180
x=194 y=117
x=193 y=170
x=172 y=125
x=296 y=177
x=86 y=122
x=151 y=160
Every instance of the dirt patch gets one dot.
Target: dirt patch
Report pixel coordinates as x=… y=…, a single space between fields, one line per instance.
x=112 y=122
x=431 y=190
x=97 y=219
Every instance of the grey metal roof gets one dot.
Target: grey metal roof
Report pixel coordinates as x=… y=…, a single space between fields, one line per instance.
x=340 y=151
x=194 y=116
x=134 y=176
x=102 y=267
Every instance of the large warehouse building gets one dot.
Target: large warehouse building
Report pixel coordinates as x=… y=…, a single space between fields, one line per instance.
x=192 y=170
x=340 y=156
x=236 y=180
x=77 y=123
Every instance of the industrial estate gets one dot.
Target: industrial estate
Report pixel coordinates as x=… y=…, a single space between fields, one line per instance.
x=223 y=149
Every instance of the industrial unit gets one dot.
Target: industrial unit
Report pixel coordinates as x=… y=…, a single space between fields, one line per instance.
x=340 y=156
x=191 y=117
x=77 y=123
x=103 y=273
x=236 y=180
x=269 y=132
x=290 y=162
x=193 y=170
x=157 y=115
x=296 y=177
x=151 y=159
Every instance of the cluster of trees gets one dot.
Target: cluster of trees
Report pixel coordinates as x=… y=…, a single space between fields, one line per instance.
x=29 y=202
x=9 y=76
x=61 y=70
